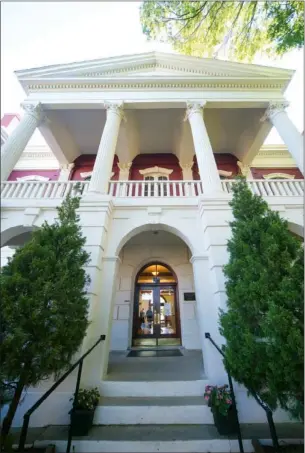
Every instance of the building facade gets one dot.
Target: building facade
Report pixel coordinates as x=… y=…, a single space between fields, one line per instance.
x=155 y=141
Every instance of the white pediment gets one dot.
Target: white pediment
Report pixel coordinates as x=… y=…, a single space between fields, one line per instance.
x=149 y=66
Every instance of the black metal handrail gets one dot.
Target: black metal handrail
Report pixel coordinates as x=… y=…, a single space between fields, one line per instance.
x=240 y=442
x=27 y=415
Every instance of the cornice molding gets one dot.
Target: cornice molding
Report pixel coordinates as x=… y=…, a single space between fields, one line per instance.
x=151 y=84
x=34 y=154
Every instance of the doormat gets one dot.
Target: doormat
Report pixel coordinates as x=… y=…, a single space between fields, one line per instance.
x=156 y=353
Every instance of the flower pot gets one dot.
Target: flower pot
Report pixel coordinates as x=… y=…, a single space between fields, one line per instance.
x=81 y=422
x=225 y=424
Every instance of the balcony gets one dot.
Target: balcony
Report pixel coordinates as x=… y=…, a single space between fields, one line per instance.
x=56 y=190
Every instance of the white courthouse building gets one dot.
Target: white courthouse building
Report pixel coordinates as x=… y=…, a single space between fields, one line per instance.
x=155 y=141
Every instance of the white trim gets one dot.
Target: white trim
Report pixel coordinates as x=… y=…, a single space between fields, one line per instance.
x=156 y=171
x=278 y=175
x=33 y=178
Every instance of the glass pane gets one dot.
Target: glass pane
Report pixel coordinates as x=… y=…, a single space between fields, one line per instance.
x=156 y=273
x=167 y=311
x=145 y=315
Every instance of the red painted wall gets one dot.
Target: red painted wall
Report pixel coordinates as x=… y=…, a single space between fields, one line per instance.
x=226 y=162
x=85 y=163
x=258 y=173
x=52 y=174
x=168 y=161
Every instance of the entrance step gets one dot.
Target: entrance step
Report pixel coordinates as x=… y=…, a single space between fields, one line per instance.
x=152 y=388
x=153 y=411
x=165 y=438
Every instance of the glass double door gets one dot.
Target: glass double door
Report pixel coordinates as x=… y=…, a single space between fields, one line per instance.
x=156 y=320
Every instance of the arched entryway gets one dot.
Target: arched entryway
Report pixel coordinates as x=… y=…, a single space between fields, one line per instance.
x=156 y=317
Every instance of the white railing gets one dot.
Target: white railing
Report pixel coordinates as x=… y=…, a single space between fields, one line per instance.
x=155 y=189
x=149 y=189
x=42 y=189
x=271 y=188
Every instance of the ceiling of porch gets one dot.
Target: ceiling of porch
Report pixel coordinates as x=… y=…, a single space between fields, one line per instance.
x=154 y=131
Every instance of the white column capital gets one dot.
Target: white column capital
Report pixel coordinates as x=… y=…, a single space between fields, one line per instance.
x=67 y=166
x=274 y=108
x=245 y=169
x=34 y=110
x=124 y=166
x=194 y=107
x=186 y=165
x=117 y=108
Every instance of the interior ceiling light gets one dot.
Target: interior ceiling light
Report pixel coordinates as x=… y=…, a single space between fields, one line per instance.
x=155 y=273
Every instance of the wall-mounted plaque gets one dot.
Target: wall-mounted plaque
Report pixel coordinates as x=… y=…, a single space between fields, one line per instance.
x=189 y=296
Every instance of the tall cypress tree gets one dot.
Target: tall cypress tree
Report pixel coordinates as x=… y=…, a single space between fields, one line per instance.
x=264 y=321
x=43 y=305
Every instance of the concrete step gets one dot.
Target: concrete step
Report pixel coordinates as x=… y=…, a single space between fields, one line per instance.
x=153 y=411
x=128 y=388
x=164 y=438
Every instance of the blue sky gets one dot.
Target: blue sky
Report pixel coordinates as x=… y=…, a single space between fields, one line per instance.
x=44 y=33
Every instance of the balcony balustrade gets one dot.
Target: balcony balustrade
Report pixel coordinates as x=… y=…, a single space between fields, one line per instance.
x=147 y=189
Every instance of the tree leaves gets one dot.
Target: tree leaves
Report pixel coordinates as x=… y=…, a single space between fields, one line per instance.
x=264 y=322
x=246 y=27
x=44 y=304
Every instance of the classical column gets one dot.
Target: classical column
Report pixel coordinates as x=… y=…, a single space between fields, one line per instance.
x=19 y=138
x=124 y=171
x=205 y=157
x=105 y=154
x=287 y=130
x=187 y=171
x=65 y=171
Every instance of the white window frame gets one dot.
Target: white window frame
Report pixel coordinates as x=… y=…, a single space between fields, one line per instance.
x=278 y=175
x=33 y=178
x=155 y=173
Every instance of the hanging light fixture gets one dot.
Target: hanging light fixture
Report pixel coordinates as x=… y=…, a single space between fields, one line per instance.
x=155 y=273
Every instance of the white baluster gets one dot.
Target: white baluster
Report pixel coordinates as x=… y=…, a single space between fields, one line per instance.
x=174 y=189
x=268 y=188
x=300 y=187
x=42 y=190
x=274 y=188
x=193 y=192
x=161 y=185
x=136 y=189
x=280 y=188
x=262 y=188
x=292 y=188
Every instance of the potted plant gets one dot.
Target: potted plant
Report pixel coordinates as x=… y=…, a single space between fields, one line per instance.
x=82 y=413
x=220 y=401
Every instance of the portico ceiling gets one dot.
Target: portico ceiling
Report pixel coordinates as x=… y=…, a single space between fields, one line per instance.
x=230 y=130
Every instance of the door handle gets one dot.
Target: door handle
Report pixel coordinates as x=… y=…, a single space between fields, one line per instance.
x=157 y=317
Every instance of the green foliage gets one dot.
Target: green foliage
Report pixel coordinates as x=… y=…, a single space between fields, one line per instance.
x=219 y=398
x=87 y=399
x=264 y=322
x=43 y=303
x=248 y=27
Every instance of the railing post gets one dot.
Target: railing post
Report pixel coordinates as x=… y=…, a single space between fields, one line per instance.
x=240 y=442
x=24 y=431
x=79 y=375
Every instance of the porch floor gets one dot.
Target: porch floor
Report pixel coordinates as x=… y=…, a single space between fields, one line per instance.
x=188 y=367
